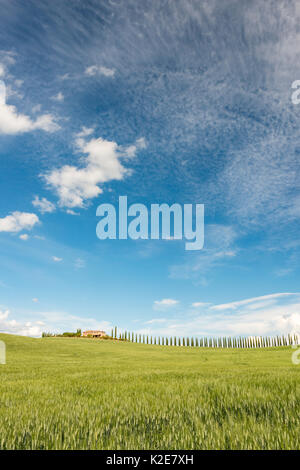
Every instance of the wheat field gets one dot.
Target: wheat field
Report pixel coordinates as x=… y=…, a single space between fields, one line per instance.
x=74 y=393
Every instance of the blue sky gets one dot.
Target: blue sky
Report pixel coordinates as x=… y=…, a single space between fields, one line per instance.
x=165 y=102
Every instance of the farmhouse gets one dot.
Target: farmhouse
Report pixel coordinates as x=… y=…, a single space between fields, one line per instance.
x=94 y=333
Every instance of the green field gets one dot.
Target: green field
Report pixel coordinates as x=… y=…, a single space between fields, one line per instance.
x=72 y=393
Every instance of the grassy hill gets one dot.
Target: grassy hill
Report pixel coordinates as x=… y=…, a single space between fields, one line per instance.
x=72 y=393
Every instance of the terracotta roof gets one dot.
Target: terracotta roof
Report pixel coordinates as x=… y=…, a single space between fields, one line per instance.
x=94 y=331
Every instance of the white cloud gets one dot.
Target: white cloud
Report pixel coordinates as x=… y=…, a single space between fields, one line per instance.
x=43 y=204
x=71 y=212
x=56 y=259
x=164 y=304
x=12 y=122
x=99 y=70
x=75 y=185
x=282 y=316
x=35 y=299
x=155 y=320
x=59 y=97
x=200 y=304
x=58 y=322
x=234 y=305
x=85 y=132
x=24 y=236
x=15 y=327
x=2 y=70
x=18 y=221
x=53 y=321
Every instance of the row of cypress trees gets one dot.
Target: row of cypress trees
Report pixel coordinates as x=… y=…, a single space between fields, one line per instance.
x=207 y=342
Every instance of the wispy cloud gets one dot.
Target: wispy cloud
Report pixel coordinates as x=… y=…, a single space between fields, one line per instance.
x=235 y=305
x=43 y=204
x=200 y=304
x=165 y=304
x=93 y=70
x=155 y=321
x=59 y=97
x=266 y=315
